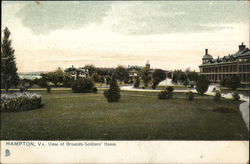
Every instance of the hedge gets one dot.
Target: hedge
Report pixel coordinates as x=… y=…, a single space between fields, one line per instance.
x=15 y=102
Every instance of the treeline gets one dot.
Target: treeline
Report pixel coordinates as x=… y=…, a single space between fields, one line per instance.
x=185 y=78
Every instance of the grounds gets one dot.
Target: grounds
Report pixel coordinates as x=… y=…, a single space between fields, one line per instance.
x=137 y=116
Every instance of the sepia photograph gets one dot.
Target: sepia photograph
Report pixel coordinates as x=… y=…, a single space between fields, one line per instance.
x=90 y=73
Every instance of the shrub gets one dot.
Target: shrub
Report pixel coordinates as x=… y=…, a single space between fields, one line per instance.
x=113 y=93
x=20 y=101
x=190 y=95
x=202 y=84
x=170 y=89
x=94 y=90
x=48 y=88
x=165 y=95
x=236 y=96
x=162 y=95
x=82 y=85
x=217 y=96
x=224 y=110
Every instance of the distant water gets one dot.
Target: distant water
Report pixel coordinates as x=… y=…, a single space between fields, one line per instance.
x=29 y=76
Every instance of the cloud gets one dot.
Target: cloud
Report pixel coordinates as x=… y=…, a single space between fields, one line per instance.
x=173 y=17
x=134 y=18
x=47 y=16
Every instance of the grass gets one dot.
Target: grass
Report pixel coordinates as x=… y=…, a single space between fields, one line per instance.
x=138 y=116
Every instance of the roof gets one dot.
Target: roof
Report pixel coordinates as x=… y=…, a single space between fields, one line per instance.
x=207 y=56
x=227 y=59
x=244 y=52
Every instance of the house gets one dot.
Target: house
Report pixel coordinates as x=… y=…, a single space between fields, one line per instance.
x=77 y=72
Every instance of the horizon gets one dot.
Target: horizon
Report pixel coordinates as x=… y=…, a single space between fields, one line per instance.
x=171 y=35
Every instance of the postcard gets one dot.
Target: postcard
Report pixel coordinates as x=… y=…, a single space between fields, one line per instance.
x=125 y=82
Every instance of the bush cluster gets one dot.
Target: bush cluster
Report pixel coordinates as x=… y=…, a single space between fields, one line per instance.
x=20 y=101
x=113 y=93
x=217 y=96
x=82 y=85
x=190 y=95
x=165 y=95
x=224 y=110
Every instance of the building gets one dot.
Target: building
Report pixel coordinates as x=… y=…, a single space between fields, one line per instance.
x=134 y=70
x=77 y=72
x=233 y=64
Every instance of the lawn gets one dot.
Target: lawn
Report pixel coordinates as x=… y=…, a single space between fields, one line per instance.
x=138 y=116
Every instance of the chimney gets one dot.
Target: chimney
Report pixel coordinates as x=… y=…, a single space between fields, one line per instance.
x=242 y=47
x=206 y=51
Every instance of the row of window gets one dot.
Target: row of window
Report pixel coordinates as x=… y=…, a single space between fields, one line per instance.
x=244 y=60
x=242 y=68
x=213 y=77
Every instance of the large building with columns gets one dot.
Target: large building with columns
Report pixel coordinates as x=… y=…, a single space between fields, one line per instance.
x=233 y=64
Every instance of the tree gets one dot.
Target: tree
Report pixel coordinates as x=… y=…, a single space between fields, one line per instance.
x=202 y=84
x=108 y=79
x=192 y=76
x=121 y=73
x=113 y=93
x=91 y=69
x=232 y=82
x=67 y=80
x=56 y=76
x=158 y=76
x=137 y=82
x=145 y=76
x=8 y=65
x=95 y=77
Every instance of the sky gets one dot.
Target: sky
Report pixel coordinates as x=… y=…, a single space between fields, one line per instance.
x=170 y=34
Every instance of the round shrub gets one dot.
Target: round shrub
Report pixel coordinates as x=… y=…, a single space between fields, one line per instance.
x=82 y=85
x=20 y=101
x=236 y=96
x=217 y=96
x=190 y=95
x=170 y=89
x=94 y=90
x=165 y=95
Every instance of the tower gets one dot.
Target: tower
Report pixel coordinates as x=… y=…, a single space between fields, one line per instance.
x=148 y=65
x=206 y=58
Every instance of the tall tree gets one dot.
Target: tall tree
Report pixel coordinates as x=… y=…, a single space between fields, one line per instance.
x=158 y=76
x=8 y=65
x=121 y=73
x=145 y=76
x=202 y=84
